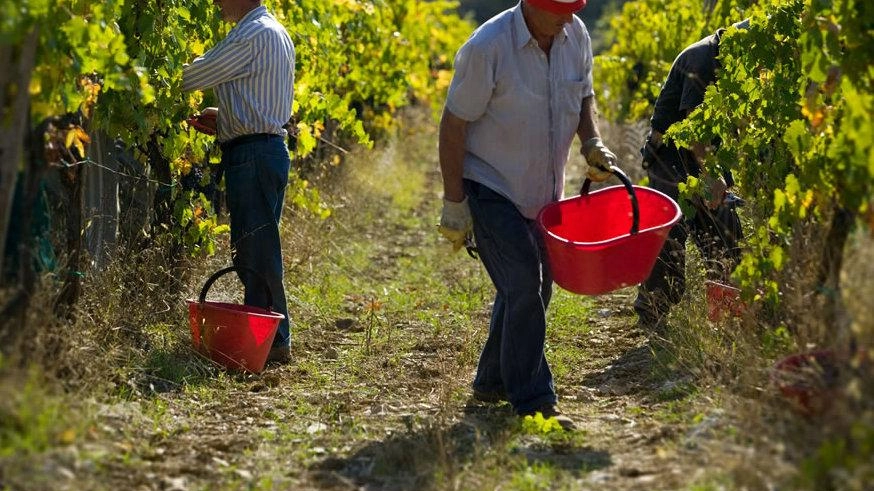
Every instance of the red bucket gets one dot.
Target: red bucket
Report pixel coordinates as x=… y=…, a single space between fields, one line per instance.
x=809 y=381
x=238 y=337
x=590 y=245
x=722 y=301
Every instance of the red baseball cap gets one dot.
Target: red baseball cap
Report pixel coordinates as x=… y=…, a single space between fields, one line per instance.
x=559 y=7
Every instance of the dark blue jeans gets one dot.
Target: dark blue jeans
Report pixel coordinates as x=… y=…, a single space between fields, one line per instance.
x=256 y=174
x=512 y=251
x=716 y=234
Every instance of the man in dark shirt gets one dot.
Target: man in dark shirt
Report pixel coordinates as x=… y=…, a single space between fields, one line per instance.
x=713 y=221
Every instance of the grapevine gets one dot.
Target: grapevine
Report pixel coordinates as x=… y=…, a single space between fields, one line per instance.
x=119 y=64
x=792 y=107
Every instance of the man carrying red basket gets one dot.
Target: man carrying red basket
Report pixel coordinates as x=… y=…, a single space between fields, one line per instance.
x=522 y=89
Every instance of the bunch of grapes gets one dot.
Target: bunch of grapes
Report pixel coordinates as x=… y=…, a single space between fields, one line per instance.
x=191 y=180
x=194 y=181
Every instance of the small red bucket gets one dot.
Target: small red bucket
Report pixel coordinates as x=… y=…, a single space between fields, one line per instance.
x=238 y=337
x=723 y=301
x=808 y=381
x=591 y=247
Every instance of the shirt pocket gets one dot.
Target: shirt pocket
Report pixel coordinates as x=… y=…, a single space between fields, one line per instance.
x=570 y=101
x=571 y=96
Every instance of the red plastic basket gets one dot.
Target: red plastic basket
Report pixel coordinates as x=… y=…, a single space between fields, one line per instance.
x=590 y=245
x=809 y=381
x=238 y=337
x=723 y=301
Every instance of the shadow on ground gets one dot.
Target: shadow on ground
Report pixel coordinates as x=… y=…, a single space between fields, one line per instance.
x=423 y=457
x=628 y=374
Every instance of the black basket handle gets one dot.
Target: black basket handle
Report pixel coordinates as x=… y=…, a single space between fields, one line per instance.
x=218 y=274
x=635 y=209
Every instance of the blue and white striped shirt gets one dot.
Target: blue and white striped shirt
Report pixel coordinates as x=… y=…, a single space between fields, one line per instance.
x=252 y=71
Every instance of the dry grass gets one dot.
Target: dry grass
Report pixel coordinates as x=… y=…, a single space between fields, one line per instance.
x=770 y=441
x=387 y=328
x=778 y=442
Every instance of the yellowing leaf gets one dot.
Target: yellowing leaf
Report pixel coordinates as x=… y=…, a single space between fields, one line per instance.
x=35 y=86
x=197 y=47
x=305 y=140
x=777 y=257
x=67 y=436
x=793 y=187
x=808 y=199
x=68 y=139
x=80 y=133
x=77 y=137
x=779 y=199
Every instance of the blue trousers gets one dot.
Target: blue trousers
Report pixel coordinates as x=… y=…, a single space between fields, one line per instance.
x=512 y=251
x=256 y=175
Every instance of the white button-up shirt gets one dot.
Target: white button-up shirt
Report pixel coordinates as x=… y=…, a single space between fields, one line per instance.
x=522 y=108
x=252 y=70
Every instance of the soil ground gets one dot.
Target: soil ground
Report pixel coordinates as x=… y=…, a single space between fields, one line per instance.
x=377 y=395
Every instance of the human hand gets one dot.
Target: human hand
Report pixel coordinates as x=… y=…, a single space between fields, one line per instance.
x=715 y=190
x=205 y=122
x=599 y=158
x=455 y=222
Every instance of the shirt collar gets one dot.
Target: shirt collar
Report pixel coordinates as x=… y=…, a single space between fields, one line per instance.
x=523 y=35
x=520 y=30
x=252 y=14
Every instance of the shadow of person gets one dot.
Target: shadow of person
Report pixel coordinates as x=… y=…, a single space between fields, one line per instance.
x=628 y=374
x=428 y=452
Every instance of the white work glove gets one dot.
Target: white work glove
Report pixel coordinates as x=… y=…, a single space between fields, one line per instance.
x=599 y=159
x=455 y=222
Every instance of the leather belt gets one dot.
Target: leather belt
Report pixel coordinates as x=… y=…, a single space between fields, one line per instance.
x=241 y=140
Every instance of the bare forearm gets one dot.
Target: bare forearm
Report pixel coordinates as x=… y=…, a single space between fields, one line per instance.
x=451 y=150
x=588 y=126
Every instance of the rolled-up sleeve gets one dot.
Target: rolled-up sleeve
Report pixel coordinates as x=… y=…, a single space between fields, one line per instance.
x=228 y=60
x=471 y=88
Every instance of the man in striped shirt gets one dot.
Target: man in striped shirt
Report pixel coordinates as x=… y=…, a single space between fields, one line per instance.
x=252 y=73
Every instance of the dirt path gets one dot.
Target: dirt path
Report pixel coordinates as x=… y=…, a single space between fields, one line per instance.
x=377 y=395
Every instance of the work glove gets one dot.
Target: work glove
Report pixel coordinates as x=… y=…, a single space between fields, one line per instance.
x=715 y=191
x=599 y=159
x=455 y=222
